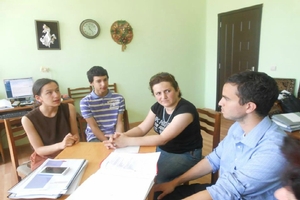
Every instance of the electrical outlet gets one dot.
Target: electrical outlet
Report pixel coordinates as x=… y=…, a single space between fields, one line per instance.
x=45 y=69
x=273 y=68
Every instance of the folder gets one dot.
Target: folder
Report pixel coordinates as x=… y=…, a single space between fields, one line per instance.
x=38 y=185
x=287 y=119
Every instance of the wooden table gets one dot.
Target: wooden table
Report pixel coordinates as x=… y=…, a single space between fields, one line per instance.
x=295 y=134
x=95 y=153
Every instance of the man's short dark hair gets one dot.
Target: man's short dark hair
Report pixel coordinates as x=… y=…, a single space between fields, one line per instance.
x=96 y=71
x=256 y=87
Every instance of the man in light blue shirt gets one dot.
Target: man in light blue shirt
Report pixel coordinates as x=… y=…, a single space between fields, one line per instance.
x=249 y=158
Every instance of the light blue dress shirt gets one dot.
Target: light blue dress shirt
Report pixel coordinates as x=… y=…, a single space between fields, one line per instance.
x=250 y=166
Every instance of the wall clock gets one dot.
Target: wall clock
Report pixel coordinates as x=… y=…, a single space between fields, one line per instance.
x=89 y=28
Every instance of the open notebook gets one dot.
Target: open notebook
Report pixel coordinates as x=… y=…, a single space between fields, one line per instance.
x=120 y=176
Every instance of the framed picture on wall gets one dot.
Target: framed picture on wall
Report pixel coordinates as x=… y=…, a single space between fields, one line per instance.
x=47 y=35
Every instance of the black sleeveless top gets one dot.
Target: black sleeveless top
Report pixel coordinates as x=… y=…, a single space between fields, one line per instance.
x=190 y=138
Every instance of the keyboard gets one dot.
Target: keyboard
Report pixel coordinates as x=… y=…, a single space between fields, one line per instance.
x=19 y=113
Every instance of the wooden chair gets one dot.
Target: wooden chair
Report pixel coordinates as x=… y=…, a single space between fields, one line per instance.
x=79 y=93
x=15 y=132
x=126 y=121
x=210 y=123
x=2 y=152
x=113 y=87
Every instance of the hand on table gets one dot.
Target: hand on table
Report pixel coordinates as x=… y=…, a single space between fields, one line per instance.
x=115 y=141
x=69 y=140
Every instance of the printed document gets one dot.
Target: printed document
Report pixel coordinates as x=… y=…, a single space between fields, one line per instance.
x=121 y=176
x=5 y=104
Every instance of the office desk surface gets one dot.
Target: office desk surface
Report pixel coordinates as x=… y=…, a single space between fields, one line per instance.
x=28 y=107
x=95 y=153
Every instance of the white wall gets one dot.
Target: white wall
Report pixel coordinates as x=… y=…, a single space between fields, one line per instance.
x=168 y=36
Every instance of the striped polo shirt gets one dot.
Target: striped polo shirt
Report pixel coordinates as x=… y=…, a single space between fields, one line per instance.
x=105 y=110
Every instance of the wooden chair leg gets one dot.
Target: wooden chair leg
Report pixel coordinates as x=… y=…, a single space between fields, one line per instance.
x=2 y=152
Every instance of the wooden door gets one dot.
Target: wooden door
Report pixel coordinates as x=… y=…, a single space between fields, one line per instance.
x=238 y=43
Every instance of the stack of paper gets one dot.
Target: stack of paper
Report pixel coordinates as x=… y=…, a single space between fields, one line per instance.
x=121 y=176
x=288 y=121
x=39 y=185
x=5 y=104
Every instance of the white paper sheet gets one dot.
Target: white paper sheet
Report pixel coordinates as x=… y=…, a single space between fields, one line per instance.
x=121 y=176
x=130 y=149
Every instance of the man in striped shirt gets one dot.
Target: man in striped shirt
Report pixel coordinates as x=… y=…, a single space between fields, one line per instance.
x=102 y=108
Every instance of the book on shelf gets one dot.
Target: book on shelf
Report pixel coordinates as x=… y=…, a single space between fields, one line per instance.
x=45 y=185
x=120 y=176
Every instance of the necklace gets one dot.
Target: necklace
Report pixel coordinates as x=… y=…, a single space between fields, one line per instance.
x=168 y=117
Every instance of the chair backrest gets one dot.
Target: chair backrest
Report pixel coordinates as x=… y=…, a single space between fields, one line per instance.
x=15 y=132
x=126 y=121
x=210 y=123
x=113 y=87
x=79 y=93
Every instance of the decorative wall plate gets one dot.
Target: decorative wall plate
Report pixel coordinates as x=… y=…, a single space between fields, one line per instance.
x=121 y=33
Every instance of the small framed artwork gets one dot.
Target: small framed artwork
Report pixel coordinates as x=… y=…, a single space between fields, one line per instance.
x=47 y=35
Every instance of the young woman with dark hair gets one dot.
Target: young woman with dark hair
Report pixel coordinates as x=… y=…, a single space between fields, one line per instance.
x=51 y=126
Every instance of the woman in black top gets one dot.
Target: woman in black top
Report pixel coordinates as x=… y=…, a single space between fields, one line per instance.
x=176 y=121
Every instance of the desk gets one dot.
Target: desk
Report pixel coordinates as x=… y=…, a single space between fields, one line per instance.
x=95 y=153
x=27 y=107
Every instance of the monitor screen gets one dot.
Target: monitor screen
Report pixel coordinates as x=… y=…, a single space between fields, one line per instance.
x=18 y=87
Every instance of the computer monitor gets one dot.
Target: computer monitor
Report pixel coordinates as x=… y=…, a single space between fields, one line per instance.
x=18 y=88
